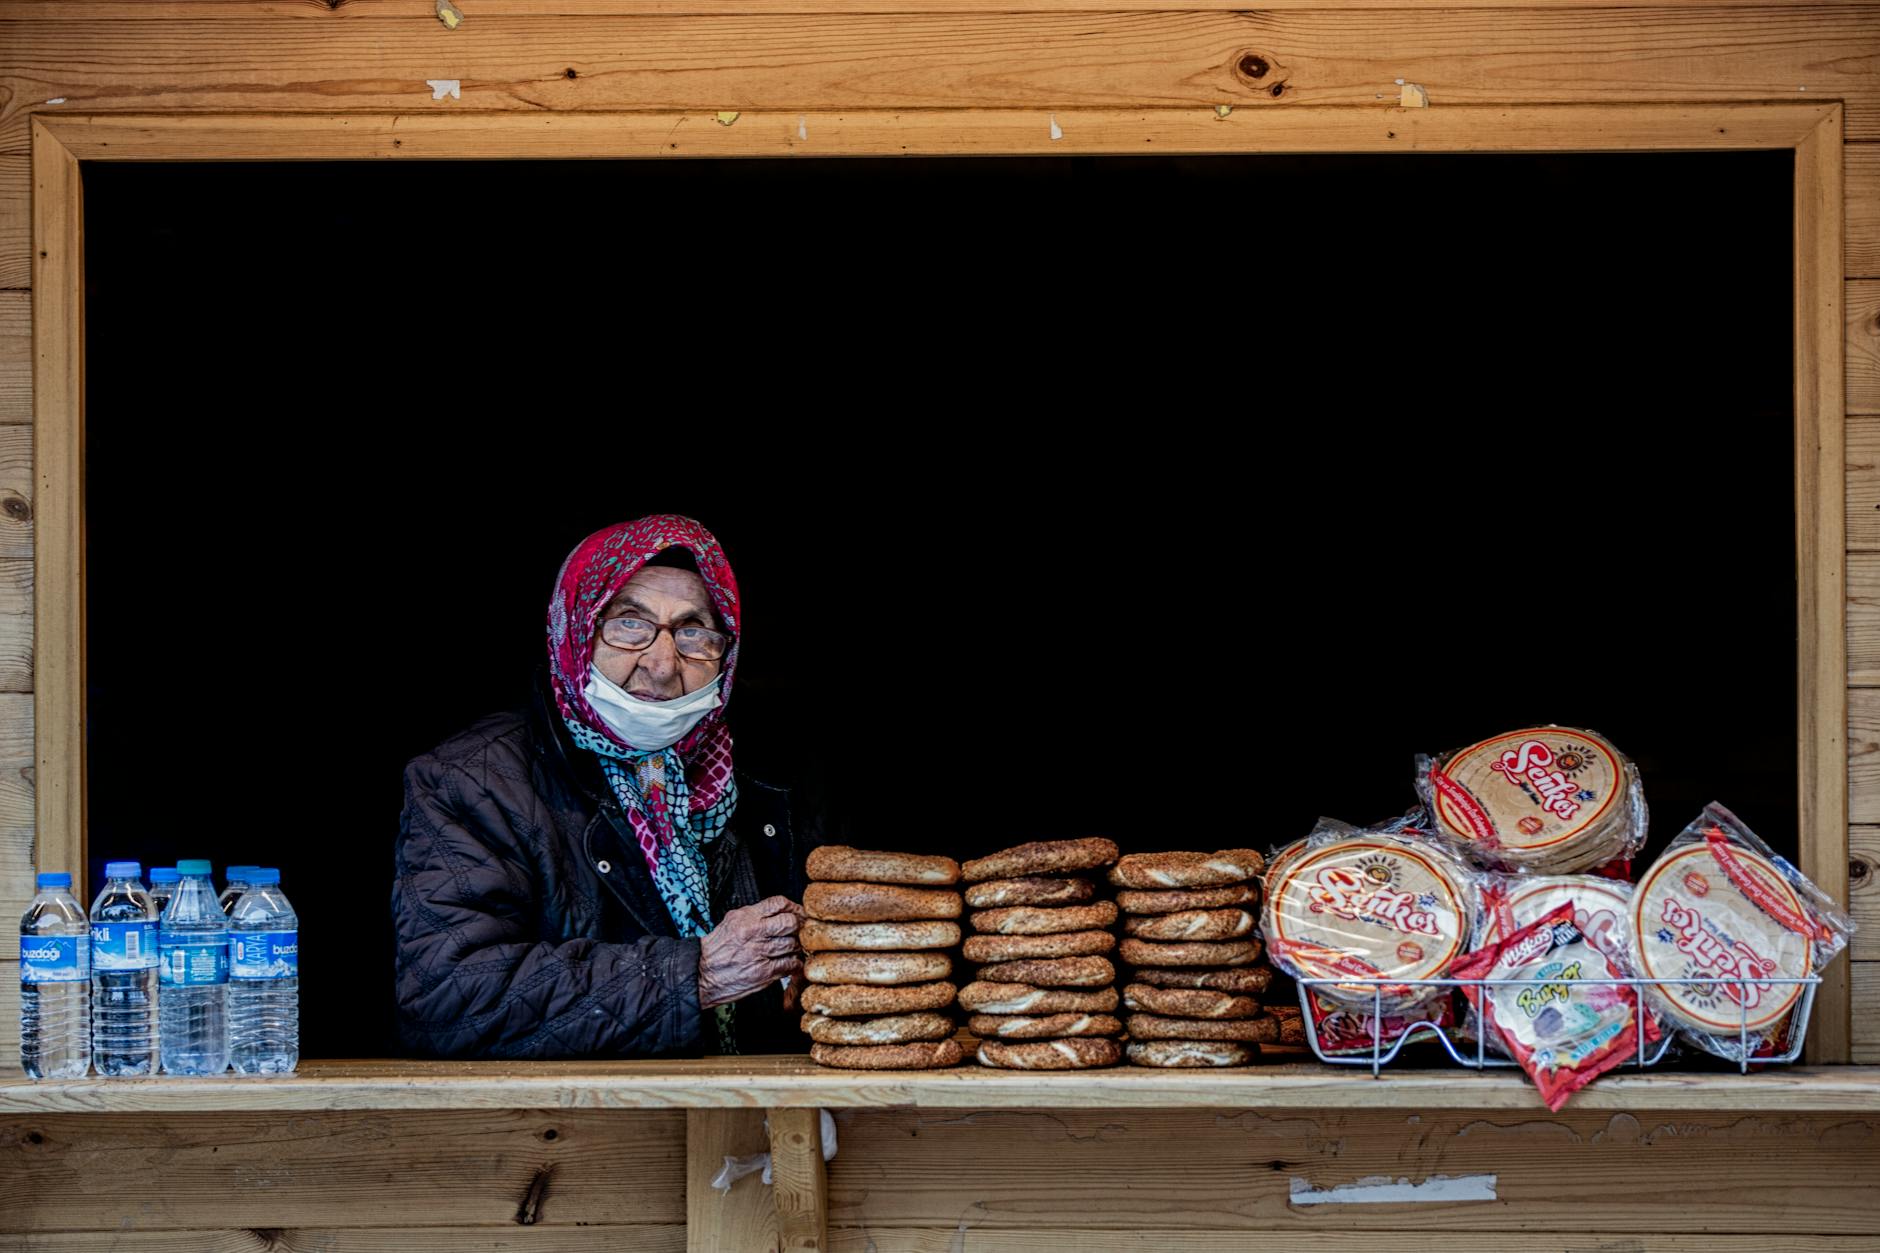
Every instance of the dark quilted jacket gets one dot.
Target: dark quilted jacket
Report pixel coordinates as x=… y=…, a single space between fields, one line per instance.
x=527 y=922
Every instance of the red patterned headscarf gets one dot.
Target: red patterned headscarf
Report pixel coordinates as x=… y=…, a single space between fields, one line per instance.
x=593 y=574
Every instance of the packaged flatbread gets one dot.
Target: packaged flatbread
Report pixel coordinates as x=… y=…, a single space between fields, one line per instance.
x=1546 y=800
x=1373 y=906
x=1563 y=1031
x=1721 y=903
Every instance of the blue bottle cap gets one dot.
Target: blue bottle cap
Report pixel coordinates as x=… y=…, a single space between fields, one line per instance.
x=123 y=869
x=240 y=874
x=262 y=876
x=53 y=879
x=164 y=874
x=192 y=867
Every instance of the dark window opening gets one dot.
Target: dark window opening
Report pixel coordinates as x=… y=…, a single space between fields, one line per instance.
x=1185 y=500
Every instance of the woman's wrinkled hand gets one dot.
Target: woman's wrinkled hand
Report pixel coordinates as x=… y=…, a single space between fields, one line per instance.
x=750 y=949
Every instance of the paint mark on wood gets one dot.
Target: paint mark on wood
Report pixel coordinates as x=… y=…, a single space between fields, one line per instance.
x=1222 y=110
x=56 y=100
x=441 y=87
x=1057 y=132
x=802 y=127
x=1383 y=1190
x=1414 y=96
x=725 y=117
x=449 y=14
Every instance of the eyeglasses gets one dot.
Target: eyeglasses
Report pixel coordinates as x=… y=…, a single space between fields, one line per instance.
x=637 y=635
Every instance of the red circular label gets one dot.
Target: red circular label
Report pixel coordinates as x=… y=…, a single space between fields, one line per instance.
x=1530 y=825
x=1410 y=951
x=1696 y=884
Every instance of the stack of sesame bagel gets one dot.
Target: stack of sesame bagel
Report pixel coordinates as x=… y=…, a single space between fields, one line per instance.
x=1194 y=993
x=877 y=994
x=1045 y=994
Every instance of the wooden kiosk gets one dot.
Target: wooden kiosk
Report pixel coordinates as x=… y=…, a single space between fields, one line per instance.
x=384 y=1155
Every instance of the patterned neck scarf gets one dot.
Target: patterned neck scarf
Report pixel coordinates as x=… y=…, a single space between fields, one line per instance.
x=677 y=799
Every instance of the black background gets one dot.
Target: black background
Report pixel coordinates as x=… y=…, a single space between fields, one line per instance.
x=1182 y=500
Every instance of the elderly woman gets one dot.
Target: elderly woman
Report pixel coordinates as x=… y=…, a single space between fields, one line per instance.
x=591 y=876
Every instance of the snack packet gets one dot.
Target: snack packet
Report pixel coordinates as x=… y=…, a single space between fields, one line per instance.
x=1563 y=1032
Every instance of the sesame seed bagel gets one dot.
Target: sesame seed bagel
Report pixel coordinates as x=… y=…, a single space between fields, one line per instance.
x=1018 y=998
x=928 y=1056
x=1193 y=924
x=1260 y=1030
x=856 y=1000
x=1189 y=1002
x=1187 y=870
x=1243 y=979
x=1221 y=953
x=1052 y=972
x=1080 y=1054
x=1033 y=920
x=840 y=863
x=1191 y=1053
x=1171 y=902
x=878 y=902
x=1049 y=1027
x=878 y=968
x=1005 y=948
x=1041 y=857
x=824 y=937
x=998 y=893
x=898 y=1029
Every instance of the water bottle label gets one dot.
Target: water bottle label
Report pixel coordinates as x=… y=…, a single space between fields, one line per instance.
x=123 y=945
x=264 y=954
x=189 y=960
x=55 y=958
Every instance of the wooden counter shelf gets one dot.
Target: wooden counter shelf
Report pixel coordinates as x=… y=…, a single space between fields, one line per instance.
x=789 y=1082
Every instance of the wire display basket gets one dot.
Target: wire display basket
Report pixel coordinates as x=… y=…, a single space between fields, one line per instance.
x=1792 y=1033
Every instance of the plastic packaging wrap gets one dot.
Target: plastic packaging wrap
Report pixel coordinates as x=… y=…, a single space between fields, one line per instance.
x=735 y=1168
x=1564 y=1032
x=1545 y=800
x=1374 y=904
x=1721 y=903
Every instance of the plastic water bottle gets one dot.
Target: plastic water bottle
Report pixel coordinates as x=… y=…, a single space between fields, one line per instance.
x=162 y=886
x=238 y=882
x=264 y=979
x=192 y=976
x=124 y=974
x=55 y=969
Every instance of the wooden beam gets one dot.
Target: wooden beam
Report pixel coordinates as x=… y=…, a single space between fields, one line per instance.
x=744 y=1217
x=784 y=1082
x=801 y=1187
x=1262 y=61
x=1821 y=551
x=59 y=524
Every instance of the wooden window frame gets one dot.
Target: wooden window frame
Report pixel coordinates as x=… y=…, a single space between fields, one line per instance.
x=1813 y=131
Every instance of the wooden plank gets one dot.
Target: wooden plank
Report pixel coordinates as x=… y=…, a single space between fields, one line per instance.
x=783 y=1082
x=801 y=1191
x=16 y=339
x=10 y=1013
x=1821 y=550
x=1175 y=1239
x=17 y=850
x=1459 y=128
x=425 y=10
x=1863 y=346
x=1863 y=875
x=744 y=1217
x=1863 y=484
x=59 y=521
x=605 y=1238
x=1863 y=210
x=1866 y=986
x=1118 y=1169
x=1038 y=61
x=16 y=219
x=1863 y=746
x=500 y=1169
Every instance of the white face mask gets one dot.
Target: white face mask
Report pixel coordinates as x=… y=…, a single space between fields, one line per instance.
x=648 y=724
